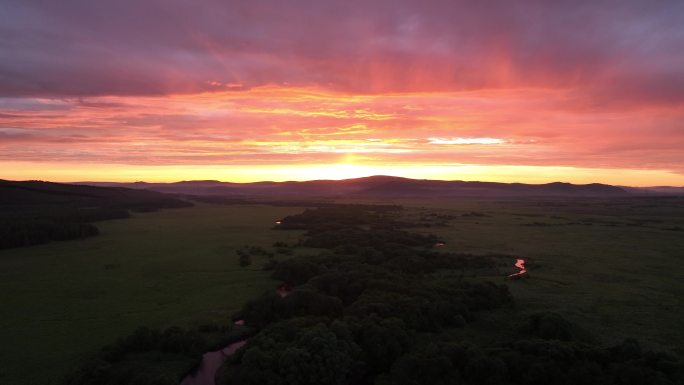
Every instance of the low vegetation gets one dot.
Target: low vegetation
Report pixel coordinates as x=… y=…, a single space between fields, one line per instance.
x=351 y=319
x=66 y=300
x=35 y=212
x=389 y=294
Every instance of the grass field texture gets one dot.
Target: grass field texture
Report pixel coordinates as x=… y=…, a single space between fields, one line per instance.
x=615 y=268
x=173 y=267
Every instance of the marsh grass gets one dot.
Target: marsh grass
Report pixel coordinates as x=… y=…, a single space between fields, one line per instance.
x=63 y=300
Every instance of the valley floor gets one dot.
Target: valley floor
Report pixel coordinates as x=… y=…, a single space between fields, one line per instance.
x=614 y=267
x=63 y=300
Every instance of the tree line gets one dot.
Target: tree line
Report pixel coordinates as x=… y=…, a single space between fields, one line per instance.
x=378 y=305
x=375 y=307
x=37 y=212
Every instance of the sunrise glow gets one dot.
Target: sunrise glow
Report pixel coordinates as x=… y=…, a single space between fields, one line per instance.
x=346 y=93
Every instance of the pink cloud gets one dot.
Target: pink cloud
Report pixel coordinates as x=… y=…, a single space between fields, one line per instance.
x=581 y=84
x=287 y=125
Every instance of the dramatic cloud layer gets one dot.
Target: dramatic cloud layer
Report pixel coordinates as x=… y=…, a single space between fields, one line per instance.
x=258 y=84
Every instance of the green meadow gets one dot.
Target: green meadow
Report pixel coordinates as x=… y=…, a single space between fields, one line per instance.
x=614 y=267
x=179 y=267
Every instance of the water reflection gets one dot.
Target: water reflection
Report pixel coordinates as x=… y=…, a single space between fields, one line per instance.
x=211 y=362
x=520 y=264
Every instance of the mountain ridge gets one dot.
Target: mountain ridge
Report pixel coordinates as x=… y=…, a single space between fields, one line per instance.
x=375 y=186
x=34 y=192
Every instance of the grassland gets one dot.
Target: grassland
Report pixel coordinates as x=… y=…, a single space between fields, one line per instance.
x=174 y=267
x=613 y=266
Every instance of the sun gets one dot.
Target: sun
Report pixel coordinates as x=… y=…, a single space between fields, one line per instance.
x=348 y=171
x=337 y=171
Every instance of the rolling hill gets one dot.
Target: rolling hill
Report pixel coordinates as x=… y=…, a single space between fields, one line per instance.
x=47 y=193
x=374 y=186
x=35 y=212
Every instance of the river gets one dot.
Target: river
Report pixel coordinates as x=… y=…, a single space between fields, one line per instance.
x=205 y=374
x=520 y=264
x=211 y=362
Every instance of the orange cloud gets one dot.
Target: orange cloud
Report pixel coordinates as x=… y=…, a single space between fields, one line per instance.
x=393 y=85
x=276 y=125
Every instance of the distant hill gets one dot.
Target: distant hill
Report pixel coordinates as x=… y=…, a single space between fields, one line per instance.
x=656 y=190
x=35 y=212
x=375 y=186
x=13 y=193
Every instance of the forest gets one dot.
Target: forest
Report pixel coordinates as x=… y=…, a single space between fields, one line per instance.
x=37 y=212
x=378 y=303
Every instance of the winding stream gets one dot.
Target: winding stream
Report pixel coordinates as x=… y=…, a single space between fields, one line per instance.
x=520 y=264
x=211 y=361
x=205 y=374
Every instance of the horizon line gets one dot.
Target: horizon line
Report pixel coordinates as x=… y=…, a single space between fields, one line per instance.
x=335 y=180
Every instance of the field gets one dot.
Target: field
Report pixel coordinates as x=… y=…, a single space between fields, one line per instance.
x=614 y=267
x=173 y=267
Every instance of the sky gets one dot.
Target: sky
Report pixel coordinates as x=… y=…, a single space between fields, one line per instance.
x=511 y=91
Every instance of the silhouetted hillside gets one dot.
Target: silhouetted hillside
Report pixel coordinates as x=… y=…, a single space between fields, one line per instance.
x=376 y=186
x=38 y=192
x=410 y=187
x=656 y=190
x=34 y=212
